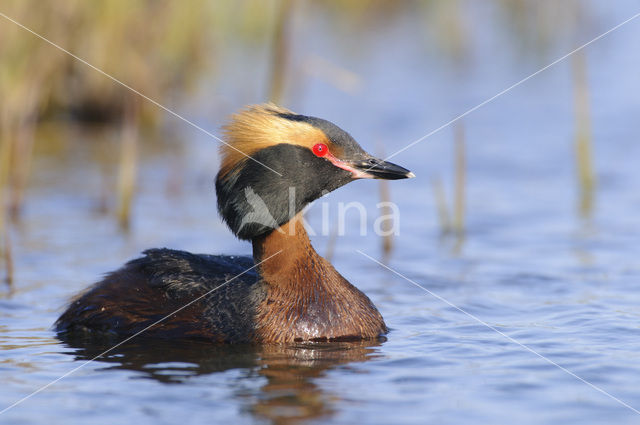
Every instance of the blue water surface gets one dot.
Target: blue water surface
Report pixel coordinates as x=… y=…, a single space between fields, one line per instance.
x=531 y=318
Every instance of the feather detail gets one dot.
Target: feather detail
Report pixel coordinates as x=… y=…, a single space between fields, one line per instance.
x=259 y=126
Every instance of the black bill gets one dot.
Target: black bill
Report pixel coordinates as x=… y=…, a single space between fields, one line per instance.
x=379 y=169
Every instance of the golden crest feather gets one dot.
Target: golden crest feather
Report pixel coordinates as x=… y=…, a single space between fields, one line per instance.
x=259 y=126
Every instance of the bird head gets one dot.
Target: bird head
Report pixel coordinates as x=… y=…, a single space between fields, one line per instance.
x=275 y=162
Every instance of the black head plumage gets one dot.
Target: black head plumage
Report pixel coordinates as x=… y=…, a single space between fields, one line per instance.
x=278 y=174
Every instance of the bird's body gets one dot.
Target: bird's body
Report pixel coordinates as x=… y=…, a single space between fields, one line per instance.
x=287 y=292
x=293 y=295
x=150 y=288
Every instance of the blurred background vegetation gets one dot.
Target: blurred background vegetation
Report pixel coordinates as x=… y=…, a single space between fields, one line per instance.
x=175 y=53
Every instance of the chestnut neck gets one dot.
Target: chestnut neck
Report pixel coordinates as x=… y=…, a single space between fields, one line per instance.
x=305 y=297
x=285 y=252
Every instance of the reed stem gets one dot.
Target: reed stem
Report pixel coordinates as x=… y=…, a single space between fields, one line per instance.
x=22 y=153
x=385 y=211
x=280 y=51
x=460 y=181
x=331 y=243
x=8 y=258
x=128 y=164
x=583 y=137
x=5 y=164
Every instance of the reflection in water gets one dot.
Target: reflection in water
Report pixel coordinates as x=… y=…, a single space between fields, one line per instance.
x=290 y=394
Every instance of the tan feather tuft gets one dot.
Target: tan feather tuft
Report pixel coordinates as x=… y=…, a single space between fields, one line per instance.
x=259 y=126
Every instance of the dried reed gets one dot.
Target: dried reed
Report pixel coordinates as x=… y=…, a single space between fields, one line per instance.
x=583 y=137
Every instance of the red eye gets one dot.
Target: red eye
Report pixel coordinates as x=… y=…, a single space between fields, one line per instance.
x=320 y=149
